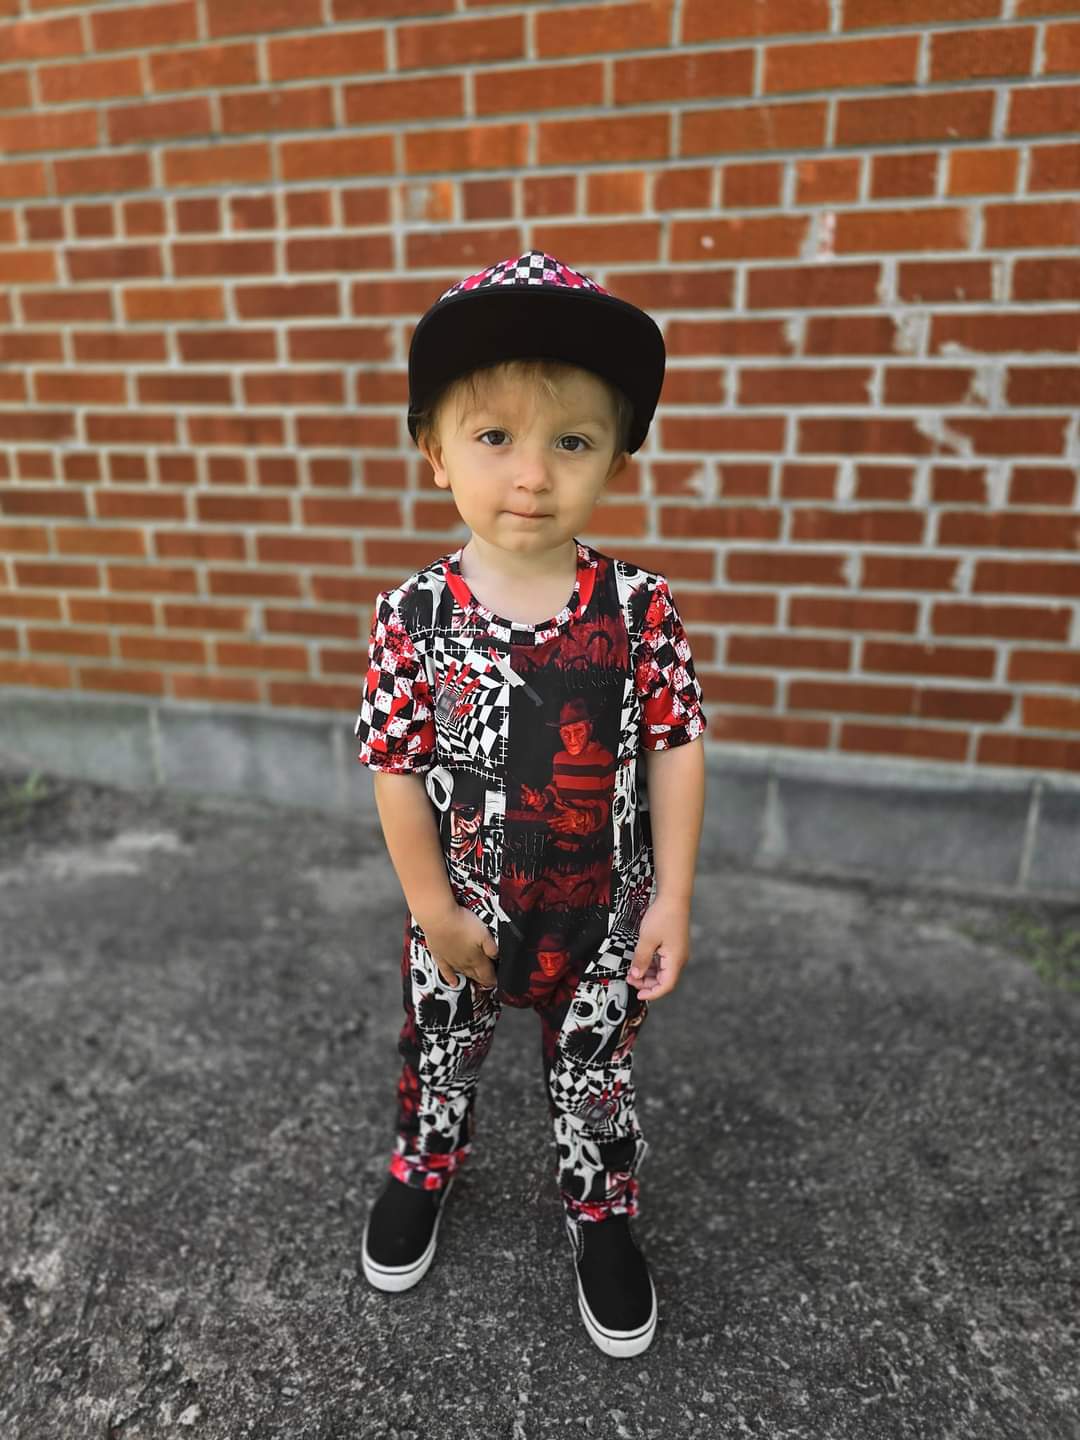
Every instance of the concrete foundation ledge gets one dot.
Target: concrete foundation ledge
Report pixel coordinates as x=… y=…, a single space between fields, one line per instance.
x=909 y=823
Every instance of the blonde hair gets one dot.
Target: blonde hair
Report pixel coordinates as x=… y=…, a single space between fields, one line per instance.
x=543 y=373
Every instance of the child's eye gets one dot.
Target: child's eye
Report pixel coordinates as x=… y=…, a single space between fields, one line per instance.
x=580 y=441
x=486 y=433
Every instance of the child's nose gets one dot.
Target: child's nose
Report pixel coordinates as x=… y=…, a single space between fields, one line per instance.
x=533 y=472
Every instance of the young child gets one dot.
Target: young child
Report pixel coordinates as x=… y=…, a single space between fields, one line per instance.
x=513 y=687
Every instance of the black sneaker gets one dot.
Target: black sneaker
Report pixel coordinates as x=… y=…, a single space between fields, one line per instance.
x=401 y=1234
x=615 y=1290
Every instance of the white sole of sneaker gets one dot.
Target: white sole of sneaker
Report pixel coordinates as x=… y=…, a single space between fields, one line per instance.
x=619 y=1343
x=394 y=1278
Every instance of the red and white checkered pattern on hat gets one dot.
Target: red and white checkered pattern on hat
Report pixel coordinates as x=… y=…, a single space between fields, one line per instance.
x=532 y=268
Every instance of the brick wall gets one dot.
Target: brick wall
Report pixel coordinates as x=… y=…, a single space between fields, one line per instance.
x=220 y=218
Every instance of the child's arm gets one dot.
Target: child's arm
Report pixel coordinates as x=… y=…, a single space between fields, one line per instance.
x=459 y=940
x=676 y=780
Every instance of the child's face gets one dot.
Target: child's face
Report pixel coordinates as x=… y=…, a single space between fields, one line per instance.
x=525 y=470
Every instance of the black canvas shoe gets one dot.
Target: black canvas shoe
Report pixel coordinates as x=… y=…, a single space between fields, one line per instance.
x=401 y=1234
x=615 y=1290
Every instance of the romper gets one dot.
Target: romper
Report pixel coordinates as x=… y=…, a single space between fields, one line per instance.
x=530 y=739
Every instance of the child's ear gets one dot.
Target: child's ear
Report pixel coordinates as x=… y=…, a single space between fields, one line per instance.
x=433 y=453
x=617 y=466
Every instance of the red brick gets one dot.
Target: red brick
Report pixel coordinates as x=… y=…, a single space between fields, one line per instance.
x=351 y=155
x=359 y=511
x=25 y=179
x=43 y=222
x=704 y=20
x=79 y=387
x=975 y=662
x=198 y=346
x=138 y=504
x=131 y=429
x=198 y=215
x=342 y=432
x=589 y=244
x=387 y=9
x=98 y=540
x=19 y=347
x=224 y=257
x=94 y=221
x=335 y=661
x=755 y=128
x=850 y=613
x=27 y=267
x=41 y=39
x=876 y=60
x=110 y=612
x=200 y=545
x=549 y=195
x=30 y=607
x=547 y=87
x=255 y=17
x=309 y=209
x=465 y=249
x=144 y=25
x=48 y=130
x=205 y=617
x=461 y=42
x=488 y=199
x=310 y=622
x=614 y=192
x=69 y=642
x=260 y=302
x=219 y=689
x=174 y=388
x=926 y=117
x=677 y=289
x=479 y=147
x=254 y=583
x=31 y=672
x=397 y=297
x=111 y=172
x=312 y=696
x=304 y=550
x=35 y=465
x=45 y=307
x=115 y=262
x=82 y=469
x=752 y=567
x=128 y=467
x=622 y=137
x=298 y=108
x=388 y=100
x=683 y=189
x=153 y=579
x=93 y=80
x=218 y=165
x=13 y=389
x=109 y=347
x=47 y=425
x=136 y=682
x=341 y=342
x=228 y=470
x=696 y=75
x=369 y=205
x=164 y=649
x=1042 y=487
x=26 y=540
x=822 y=181
x=1008 y=530
x=337 y=52
x=896 y=740
x=603 y=28
x=277 y=471
x=839 y=696
x=208 y=67
x=177 y=469
x=15 y=90
x=181 y=302
x=340 y=252
x=858 y=527
x=162 y=120
x=253 y=212
x=240 y=431
x=297 y=387
x=56 y=576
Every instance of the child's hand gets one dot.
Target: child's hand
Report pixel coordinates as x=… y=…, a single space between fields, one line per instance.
x=461 y=944
x=663 y=949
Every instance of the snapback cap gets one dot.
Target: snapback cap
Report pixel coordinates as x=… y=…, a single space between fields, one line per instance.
x=535 y=307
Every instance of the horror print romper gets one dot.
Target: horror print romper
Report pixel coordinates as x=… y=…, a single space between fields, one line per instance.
x=529 y=739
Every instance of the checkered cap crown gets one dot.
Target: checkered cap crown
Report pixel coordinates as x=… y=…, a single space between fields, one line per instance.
x=533 y=268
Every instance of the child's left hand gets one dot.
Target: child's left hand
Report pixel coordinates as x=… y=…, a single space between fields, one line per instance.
x=663 y=949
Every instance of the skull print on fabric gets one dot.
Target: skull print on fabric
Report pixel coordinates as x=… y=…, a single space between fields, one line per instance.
x=530 y=742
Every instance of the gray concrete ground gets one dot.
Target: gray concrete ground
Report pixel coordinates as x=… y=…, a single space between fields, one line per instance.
x=860 y=1206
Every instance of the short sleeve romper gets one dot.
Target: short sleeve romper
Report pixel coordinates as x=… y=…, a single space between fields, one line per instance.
x=530 y=739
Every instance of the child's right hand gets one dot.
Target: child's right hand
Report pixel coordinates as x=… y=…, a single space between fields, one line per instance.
x=461 y=944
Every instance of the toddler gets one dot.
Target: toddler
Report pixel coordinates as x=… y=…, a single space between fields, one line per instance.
x=515 y=689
